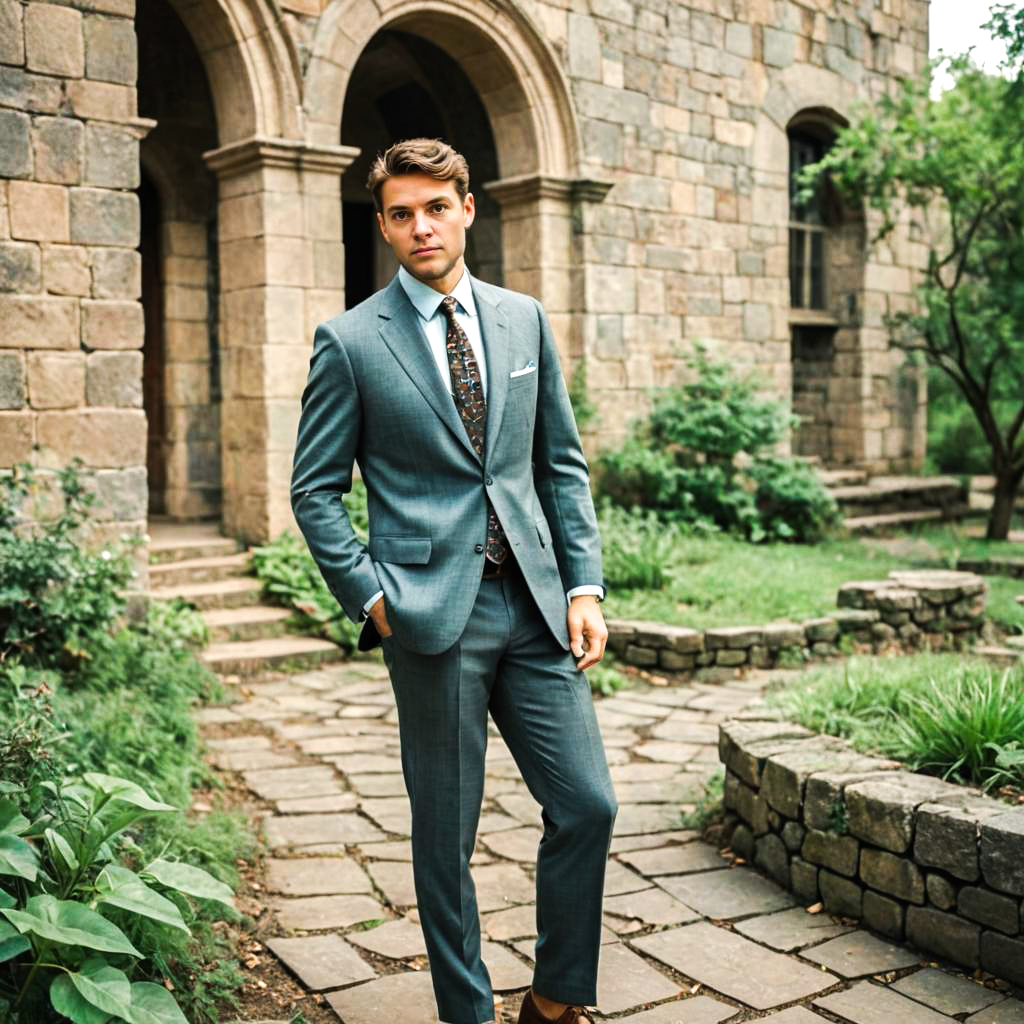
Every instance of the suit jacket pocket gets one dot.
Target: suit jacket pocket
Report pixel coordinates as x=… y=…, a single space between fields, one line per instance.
x=403 y=550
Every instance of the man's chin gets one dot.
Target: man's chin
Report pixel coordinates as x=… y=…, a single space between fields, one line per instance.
x=427 y=272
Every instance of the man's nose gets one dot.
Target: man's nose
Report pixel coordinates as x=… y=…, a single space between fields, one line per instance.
x=421 y=224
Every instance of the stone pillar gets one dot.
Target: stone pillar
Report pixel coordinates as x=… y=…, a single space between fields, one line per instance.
x=281 y=274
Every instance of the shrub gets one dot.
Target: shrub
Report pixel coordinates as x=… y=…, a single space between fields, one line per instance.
x=705 y=457
x=637 y=547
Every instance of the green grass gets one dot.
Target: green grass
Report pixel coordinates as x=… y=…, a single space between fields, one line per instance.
x=721 y=581
x=946 y=715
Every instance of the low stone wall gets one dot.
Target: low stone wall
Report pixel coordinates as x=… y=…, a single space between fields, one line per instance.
x=934 y=610
x=912 y=857
x=1012 y=567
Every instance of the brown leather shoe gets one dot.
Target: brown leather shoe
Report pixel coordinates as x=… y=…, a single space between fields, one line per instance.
x=529 y=1014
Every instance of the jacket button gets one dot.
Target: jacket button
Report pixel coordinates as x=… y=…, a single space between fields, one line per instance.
x=479 y=549
x=488 y=481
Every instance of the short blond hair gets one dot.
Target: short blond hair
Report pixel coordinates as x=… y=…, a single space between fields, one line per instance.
x=419 y=156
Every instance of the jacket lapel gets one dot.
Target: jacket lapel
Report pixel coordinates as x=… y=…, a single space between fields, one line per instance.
x=401 y=332
x=494 y=328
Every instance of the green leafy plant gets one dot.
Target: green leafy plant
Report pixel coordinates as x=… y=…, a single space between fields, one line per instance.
x=64 y=899
x=637 y=547
x=710 y=807
x=605 y=678
x=705 y=458
x=583 y=408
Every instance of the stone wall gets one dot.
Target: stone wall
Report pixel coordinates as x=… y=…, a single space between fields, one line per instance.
x=1012 y=567
x=924 y=610
x=912 y=857
x=70 y=321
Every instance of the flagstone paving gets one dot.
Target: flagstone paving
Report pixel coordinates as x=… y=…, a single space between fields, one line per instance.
x=690 y=937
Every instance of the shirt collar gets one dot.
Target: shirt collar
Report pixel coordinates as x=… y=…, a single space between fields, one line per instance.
x=427 y=300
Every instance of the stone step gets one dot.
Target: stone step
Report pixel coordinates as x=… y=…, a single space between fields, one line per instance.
x=885 y=495
x=258 y=622
x=176 y=542
x=199 y=570
x=250 y=657
x=237 y=592
x=843 y=477
x=898 y=520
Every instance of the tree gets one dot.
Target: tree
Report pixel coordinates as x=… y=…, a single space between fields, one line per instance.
x=953 y=165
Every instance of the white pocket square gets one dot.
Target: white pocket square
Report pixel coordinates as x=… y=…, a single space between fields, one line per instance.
x=530 y=367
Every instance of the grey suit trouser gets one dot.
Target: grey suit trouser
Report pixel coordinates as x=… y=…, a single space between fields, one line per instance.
x=506 y=663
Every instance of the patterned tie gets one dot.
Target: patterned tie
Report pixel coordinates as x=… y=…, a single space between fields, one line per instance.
x=468 y=391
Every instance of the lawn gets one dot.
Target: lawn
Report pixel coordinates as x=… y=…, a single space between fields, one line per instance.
x=720 y=581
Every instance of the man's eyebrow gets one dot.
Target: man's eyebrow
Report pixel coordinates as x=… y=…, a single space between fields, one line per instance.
x=397 y=207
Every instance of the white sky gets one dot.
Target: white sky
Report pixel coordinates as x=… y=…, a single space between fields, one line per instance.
x=955 y=25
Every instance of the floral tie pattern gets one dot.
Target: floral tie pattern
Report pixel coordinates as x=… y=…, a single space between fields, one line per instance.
x=468 y=391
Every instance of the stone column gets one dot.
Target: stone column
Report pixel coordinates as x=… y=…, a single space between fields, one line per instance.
x=281 y=274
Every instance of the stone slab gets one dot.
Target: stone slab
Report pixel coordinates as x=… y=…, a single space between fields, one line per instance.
x=395 y=939
x=515 y=923
x=376 y=1001
x=867 y=1003
x=791 y=929
x=697 y=1010
x=501 y=885
x=297 y=830
x=734 y=892
x=316 y=876
x=733 y=965
x=634 y=819
x=515 y=844
x=394 y=878
x=626 y=981
x=674 y=860
x=947 y=993
x=317 y=913
x=859 y=953
x=652 y=906
x=322 y=961
x=507 y=971
x=1010 y=1011
x=319 y=804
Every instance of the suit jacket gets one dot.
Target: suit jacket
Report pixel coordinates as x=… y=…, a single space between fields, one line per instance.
x=375 y=398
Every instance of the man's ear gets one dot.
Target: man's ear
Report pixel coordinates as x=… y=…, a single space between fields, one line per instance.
x=469 y=209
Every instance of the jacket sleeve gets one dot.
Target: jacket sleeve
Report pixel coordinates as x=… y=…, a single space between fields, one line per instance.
x=330 y=429
x=560 y=472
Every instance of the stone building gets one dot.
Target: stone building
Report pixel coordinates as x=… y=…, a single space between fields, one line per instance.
x=181 y=202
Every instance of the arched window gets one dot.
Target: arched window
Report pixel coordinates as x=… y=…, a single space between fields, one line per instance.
x=809 y=141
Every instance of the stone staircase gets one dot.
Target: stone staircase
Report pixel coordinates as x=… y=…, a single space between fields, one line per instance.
x=194 y=562
x=880 y=503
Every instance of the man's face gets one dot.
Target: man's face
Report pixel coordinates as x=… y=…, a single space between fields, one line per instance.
x=424 y=222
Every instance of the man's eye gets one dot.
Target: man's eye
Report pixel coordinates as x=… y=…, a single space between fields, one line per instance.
x=440 y=208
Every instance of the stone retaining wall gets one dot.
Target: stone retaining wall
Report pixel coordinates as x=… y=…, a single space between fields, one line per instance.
x=935 y=610
x=912 y=857
x=1012 y=567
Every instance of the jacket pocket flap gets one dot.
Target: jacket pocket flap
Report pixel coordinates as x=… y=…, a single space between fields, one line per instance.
x=544 y=532
x=405 y=550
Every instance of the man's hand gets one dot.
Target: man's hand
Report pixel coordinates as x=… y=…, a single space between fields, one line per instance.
x=379 y=615
x=587 y=632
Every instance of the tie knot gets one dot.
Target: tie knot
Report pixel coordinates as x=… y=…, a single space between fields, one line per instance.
x=449 y=304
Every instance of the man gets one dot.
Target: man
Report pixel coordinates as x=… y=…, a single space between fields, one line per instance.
x=482 y=574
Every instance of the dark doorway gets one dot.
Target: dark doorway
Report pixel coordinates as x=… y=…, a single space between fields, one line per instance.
x=153 y=347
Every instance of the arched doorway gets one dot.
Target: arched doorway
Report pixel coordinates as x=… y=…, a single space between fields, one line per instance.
x=181 y=359
x=404 y=86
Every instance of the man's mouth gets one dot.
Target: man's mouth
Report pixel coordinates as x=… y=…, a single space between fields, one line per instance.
x=426 y=250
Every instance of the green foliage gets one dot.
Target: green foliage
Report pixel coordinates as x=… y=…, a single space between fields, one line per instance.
x=954 y=167
x=54 y=591
x=705 y=459
x=959 y=719
x=637 y=547
x=955 y=442
x=710 y=807
x=583 y=408
x=605 y=678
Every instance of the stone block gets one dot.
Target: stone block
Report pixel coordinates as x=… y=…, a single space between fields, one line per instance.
x=56 y=380
x=112 y=325
x=641 y=656
x=584 y=48
x=771 y=855
x=883 y=915
x=54 y=43
x=742 y=842
x=12 y=35
x=102 y=217
x=17 y=434
x=1003 y=957
x=733 y=637
x=743 y=746
x=673 y=662
x=823 y=791
x=12 y=381
x=947 y=935
x=115 y=379
x=941 y=891
x=123 y=494
x=779 y=47
x=882 y=811
x=894 y=875
x=38 y=322
x=110 y=50
x=38 y=212
x=793 y=835
x=19 y=267
x=804 y=881
x=840 y=895
x=57 y=143
x=739 y=39
x=730 y=657
x=111 y=157
x=989 y=908
x=101 y=438
x=15 y=150
x=947 y=836
x=102 y=101
x=783 y=634
x=1002 y=851
x=116 y=273
x=840 y=854
x=785 y=774
x=65 y=270
x=821 y=630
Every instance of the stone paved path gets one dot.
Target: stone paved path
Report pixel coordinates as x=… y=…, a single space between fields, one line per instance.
x=690 y=938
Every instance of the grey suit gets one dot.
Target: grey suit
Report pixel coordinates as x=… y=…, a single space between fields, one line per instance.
x=461 y=648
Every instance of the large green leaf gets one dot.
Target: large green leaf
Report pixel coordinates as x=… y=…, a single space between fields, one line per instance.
x=12 y=944
x=70 y=924
x=11 y=819
x=17 y=857
x=124 y=791
x=190 y=880
x=153 y=1004
x=60 y=849
x=6 y=900
x=119 y=887
x=94 y=994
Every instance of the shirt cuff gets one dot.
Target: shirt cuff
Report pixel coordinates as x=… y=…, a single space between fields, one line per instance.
x=373 y=600
x=591 y=589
